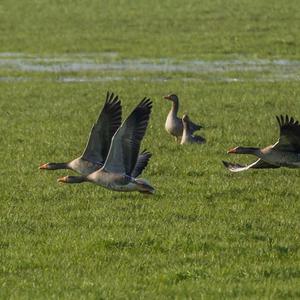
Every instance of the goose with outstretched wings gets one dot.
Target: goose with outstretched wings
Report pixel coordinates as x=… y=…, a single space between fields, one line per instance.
x=119 y=170
x=98 y=144
x=284 y=153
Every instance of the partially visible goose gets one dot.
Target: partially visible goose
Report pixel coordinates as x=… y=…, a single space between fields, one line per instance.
x=187 y=136
x=173 y=124
x=285 y=153
x=99 y=141
x=118 y=171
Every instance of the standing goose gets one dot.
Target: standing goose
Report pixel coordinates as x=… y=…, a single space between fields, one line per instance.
x=284 y=153
x=118 y=171
x=187 y=136
x=99 y=141
x=173 y=124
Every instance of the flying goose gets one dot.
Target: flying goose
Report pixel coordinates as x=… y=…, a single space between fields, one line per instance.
x=173 y=124
x=187 y=136
x=98 y=144
x=117 y=172
x=284 y=153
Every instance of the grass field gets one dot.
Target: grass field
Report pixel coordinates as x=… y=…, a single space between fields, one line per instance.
x=207 y=233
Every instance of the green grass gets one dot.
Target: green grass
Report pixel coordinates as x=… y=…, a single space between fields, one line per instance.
x=206 y=233
x=157 y=28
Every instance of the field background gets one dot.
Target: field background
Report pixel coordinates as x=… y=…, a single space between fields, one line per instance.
x=206 y=233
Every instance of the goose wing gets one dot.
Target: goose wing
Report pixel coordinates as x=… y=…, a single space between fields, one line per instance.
x=108 y=122
x=289 y=139
x=141 y=163
x=258 y=164
x=199 y=139
x=194 y=127
x=125 y=145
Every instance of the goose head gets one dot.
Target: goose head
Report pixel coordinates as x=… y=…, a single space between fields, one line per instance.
x=171 y=97
x=71 y=179
x=243 y=150
x=53 y=166
x=185 y=120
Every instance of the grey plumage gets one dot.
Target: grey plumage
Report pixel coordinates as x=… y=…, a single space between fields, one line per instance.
x=173 y=124
x=258 y=164
x=284 y=153
x=141 y=164
x=187 y=135
x=122 y=161
x=98 y=144
x=107 y=124
x=126 y=142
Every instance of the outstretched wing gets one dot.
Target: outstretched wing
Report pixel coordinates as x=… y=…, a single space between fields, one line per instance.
x=289 y=139
x=194 y=127
x=258 y=164
x=103 y=130
x=125 y=145
x=199 y=139
x=141 y=163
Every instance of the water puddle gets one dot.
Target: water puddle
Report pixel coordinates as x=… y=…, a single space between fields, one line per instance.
x=14 y=79
x=266 y=70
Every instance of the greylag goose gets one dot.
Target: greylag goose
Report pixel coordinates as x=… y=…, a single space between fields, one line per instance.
x=187 y=136
x=173 y=124
x=117 y=172
x=99 y=141
x=284 y=153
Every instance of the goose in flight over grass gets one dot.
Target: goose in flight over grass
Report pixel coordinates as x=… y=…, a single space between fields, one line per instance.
x=96 y=150
x=284 y=153
x=173 y=124
x=117 y=172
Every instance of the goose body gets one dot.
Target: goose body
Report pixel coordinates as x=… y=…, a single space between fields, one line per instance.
x=279 y=157
x=119 y=170
x=284 y=153
x=174 y=124
x=96 y=150
x=187 y=136
x=118 y=182
x=83 y=166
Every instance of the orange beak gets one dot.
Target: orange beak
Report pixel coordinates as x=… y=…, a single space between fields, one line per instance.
x=167 y=97
x=62 y=179
x=43 y=166
x=233 y=150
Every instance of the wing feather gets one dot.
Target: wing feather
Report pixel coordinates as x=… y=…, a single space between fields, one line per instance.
x=141 y=163
x=125 y=145
x=258 y=164
x=289 y=139
x=108 y=122
x=199 y=139
x=194 y=127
